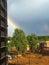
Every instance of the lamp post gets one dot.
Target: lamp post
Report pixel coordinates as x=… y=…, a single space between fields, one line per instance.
x=28 y=52
x=17 y=55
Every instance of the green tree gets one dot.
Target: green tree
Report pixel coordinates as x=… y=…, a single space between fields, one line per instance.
x=9 y=44
x=19 y=40
x=33 y=42
x=43 y=38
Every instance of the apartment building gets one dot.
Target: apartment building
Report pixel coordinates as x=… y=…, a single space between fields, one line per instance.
x=3 y=32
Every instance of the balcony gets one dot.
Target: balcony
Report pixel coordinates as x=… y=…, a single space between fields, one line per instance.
x=3 y=44
x=3 y=54
x=2 y=13
x=2 y=24
x=3 y=5
x=3 y=63
x=2 y=34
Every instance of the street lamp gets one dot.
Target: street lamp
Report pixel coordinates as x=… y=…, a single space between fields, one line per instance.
x=17 y=55
x=28 y=52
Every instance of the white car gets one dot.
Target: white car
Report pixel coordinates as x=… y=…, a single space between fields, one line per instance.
x=9 y=57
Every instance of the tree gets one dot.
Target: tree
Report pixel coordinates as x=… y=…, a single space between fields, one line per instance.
x=9 y=38
x=9 y=47
x=33 y=42
x=9 y=44
x=19 y=40
x=43 y=38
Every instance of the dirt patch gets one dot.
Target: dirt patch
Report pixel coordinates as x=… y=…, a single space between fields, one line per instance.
x=32 y=59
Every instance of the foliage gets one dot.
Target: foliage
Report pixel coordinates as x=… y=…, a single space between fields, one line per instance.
x=33 y=42
x=9 y=38
x=19 y=40
x=43 y=38
x=9 y=45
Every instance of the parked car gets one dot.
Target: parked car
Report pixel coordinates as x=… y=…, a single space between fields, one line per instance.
x=9 y=57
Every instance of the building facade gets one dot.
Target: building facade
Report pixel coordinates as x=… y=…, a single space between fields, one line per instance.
x=3 y=32
x=44 y=47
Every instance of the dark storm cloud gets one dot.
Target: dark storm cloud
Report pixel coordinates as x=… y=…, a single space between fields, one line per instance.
x=31 y=15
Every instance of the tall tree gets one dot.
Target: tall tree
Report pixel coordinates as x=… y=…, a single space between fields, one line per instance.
x=19 y=40
x=33 y=42
x=9 y=43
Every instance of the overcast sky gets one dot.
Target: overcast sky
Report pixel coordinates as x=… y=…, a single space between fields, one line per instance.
x=30 y=15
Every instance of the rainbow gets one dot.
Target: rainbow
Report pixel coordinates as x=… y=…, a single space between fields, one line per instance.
x=12 y=23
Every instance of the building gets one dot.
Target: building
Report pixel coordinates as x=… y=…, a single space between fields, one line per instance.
x=44 y=47
x=3 y=32
x=14 y=49
x=28 y=48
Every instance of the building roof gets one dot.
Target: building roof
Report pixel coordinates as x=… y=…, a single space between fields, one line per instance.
x=47 y=44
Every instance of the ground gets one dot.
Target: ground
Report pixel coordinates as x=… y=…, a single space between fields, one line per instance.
x=31 y=59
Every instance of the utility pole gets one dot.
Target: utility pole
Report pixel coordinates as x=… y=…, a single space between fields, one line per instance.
x=28 y=53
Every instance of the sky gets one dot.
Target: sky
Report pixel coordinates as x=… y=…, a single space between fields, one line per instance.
x=32 y=16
